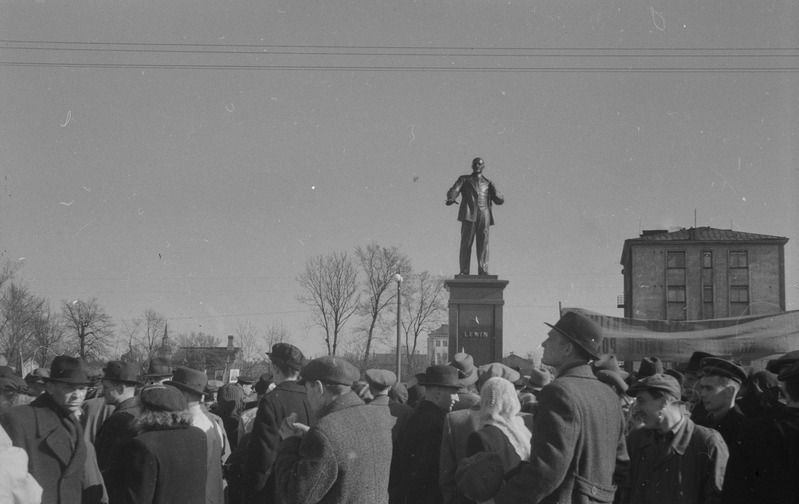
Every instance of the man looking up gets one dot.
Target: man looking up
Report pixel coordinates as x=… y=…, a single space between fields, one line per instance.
x=578 y=444
x=345 y=454
x=420 y=441
x=671 y=458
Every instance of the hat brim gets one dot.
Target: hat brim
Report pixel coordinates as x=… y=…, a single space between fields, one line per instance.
x=71 y=381
x=426 y=383
x=611 y=378
x=183 y=386
x=469 y=379
x=590 y=351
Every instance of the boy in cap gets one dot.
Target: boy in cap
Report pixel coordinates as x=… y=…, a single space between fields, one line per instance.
x=420 y=441
x=344 y=456
x=718 y=388
x=671 y=458
x=286 y=398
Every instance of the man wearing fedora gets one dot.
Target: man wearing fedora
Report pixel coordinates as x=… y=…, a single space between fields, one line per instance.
x=420 y=440
x=672 y=460
x=119 y=389
x=718 y=388
x=286 y=398
x=61 y=460
x=578 y=431
x=159 y=370
x=345 y=454
x=467 y=377
x=191 y=383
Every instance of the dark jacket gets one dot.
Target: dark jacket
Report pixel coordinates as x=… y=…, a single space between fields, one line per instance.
x=490 y=439
x=163 y=467
x=344 y=458
x=420 y=452
x=765 y=467
x=116 y=430
x=466 y=186
x=285 y=399
x=400 y=413
x=578 y=443
x=688 y=469
x=56 y=457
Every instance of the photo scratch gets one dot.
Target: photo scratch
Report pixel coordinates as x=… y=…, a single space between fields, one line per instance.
x=657 y=16
x=413 y=137
x=86 y=225
x=69 y=118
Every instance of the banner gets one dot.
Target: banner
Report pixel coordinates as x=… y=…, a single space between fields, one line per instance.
x=742 y=338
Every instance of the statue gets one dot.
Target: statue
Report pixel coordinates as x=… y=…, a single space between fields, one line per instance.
x=478 y=195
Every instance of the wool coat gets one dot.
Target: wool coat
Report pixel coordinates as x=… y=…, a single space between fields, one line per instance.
x=420 y=453
x=578 y=447
x=117 y=429
x=491 y=439
x=163 y=467
x=343 y=459
x=285 y=399
x=58 y=459
x=400 y=413
x=688 y=469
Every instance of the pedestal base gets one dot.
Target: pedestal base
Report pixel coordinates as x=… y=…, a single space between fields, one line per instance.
x=475 y=316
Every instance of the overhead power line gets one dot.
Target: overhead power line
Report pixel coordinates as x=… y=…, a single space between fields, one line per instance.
x=355 y=58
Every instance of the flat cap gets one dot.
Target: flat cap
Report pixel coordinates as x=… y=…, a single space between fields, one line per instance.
x=159 y=397
x=329 y=369
x=717 y=366
x=790 y=372
x=497 y=370
x=661 y=382
x=13 y=383
x=380 y=378
x=777 y=365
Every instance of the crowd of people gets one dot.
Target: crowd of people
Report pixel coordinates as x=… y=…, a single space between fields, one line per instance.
x=578 y=430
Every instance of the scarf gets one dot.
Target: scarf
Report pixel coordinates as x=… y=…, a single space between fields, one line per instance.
x=499 y=406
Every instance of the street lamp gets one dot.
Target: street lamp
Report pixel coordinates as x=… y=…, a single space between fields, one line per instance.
x=398 y=279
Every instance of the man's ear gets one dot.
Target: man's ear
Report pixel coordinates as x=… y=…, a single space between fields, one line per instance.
x=318 y=387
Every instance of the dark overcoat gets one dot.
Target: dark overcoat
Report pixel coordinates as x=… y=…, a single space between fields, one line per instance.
x=162 y=467
x=578 y=443
x=286 y=398
x=420 y=449
x=490 y=439
x=400 y=413
x=57 y=459
x=689 y=469
x=117 y=429
x=343 y=458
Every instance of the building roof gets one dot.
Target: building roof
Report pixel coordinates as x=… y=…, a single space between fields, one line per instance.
x=699 y=234
x=441 y=331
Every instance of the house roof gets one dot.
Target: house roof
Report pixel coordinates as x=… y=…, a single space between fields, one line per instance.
x=441 y=331
x=699 y=234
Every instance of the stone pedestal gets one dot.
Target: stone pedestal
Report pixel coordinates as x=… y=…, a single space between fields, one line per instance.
x=475 y=316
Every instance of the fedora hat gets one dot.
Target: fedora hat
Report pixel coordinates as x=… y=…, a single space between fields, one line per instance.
x=441 y=375
x=539 y=378
x=120 y=372
x=190 y=380
x=287 y=354
x=580 y=330
x=649 y=366
x=497 y=369
x=66 y=369
x=464 y=363
x=783 y=362
x=158 y=367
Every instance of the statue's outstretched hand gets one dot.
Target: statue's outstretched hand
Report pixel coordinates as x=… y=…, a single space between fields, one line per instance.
x=450 y=202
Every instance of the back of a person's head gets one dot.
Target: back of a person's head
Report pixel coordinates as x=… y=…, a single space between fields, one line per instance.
x=498 y=397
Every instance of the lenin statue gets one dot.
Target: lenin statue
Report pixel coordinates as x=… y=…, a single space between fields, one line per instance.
x=478 y=194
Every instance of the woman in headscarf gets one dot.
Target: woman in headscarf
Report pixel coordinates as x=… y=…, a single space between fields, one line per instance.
x=503 y=431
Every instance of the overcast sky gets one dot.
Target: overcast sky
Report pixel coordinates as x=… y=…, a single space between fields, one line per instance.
x=141 y=169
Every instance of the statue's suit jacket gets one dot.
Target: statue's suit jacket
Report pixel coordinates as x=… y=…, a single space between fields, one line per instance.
x=466 y=186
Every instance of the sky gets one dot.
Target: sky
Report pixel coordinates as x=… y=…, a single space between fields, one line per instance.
x=140 y=168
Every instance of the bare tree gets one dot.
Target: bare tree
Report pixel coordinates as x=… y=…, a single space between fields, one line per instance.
x=276 y=333
x=89 y=325
x=20 y=312
x=379 y=265
x=153 y=325
x=330 y=283
x=48 y=336
x=423 y=306
x=197 y=339
x=251 y=341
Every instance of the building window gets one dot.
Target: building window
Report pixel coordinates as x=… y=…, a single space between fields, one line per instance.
x=438 y=342
x=707 y=293
x=739 y=259
x=739 y=294
x=675 y=259
x=676 y=294
x=707 y=259
x=446 y=357
x=445 y=343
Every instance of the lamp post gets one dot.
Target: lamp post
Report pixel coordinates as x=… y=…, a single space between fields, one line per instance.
x=398 y=279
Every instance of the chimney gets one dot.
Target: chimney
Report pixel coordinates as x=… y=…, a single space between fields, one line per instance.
x=230 y=343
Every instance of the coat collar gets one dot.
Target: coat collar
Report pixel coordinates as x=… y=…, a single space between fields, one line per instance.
x=50 y=418
x=381 y=400
x=345 y=401
x=577 y=370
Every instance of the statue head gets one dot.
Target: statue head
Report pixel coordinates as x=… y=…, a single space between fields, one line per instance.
x=477 y=165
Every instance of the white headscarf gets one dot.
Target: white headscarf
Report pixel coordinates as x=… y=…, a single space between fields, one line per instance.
x=499 y=406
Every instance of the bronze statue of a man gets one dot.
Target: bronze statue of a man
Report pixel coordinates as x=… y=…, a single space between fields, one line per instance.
x=478 y=195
